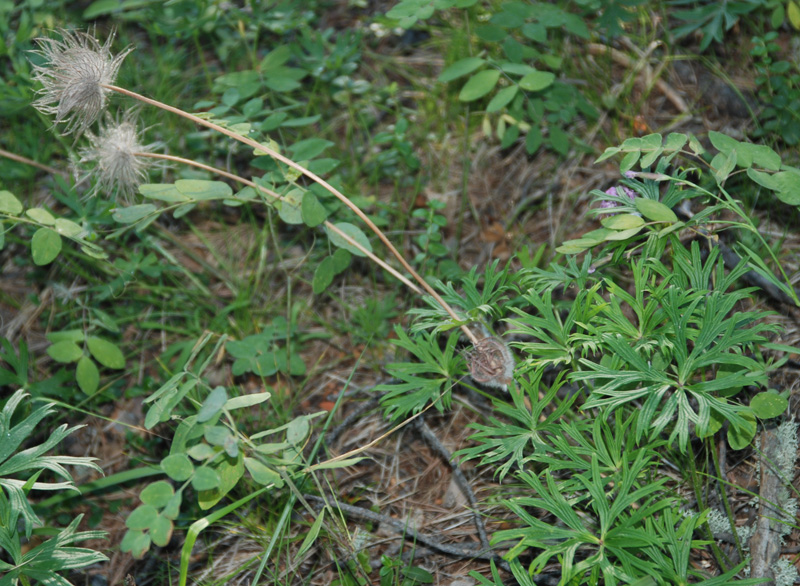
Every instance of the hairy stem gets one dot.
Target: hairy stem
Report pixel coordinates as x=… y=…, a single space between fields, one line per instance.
x=381 y=263
x=314 y=177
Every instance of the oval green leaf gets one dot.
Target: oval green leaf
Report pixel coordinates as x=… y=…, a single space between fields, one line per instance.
x=163 y=192
x=205 y=478
x=142 y=517
x=201 y=189
x=213 y=404
x=66 y=335
x=739 y=437
x=67 y=228
x=768 y=405
x=460 y=68
x=41 y=215
x=178 y=467
x=629 y=160
x=9 y=204
x=87 y=375
x=788 y=184
x=479 y=85
x=622 y=222
x=137 y=542
x=132 y=214
x=161 y=531
x=309 y=148
x=173 y=508
x=297 y=430
x=65 y=352
x=247 y=400
x=655 y=210
x=537 y=81
x=106 y=353
x=260 y=473
x=45 y=246
x=349 y=233
x=157 y=494
x=502 y=98
x=323 y=275
x=623 y=234
x=290 y=207
x=312 y=212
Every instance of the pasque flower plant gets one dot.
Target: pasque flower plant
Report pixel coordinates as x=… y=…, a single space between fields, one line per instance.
x=79 y=72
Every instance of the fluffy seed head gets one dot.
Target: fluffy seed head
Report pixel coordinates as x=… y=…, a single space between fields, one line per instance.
x=74 y=69
x=116 y=153
x=491 y=363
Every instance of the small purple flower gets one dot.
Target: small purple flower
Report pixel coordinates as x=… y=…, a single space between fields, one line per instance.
x=617 y=191
x=630 y=174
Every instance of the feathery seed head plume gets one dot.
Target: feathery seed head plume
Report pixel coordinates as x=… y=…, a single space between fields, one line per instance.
x=74 y=71
x=116 y=152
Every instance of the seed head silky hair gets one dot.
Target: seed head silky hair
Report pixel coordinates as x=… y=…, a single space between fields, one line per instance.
x=74 y=71
x=116 y=155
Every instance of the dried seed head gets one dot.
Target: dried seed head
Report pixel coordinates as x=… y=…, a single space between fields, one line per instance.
x=491 y=363
x=116 y=153
x=74 y=71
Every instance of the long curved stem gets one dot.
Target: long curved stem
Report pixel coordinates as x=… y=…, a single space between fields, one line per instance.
x=31 y=162
x=332 y=227
x=314 y=177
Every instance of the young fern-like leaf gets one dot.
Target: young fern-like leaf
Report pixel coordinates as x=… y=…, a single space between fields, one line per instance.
x=600 y=531
x=428 y=380
x=516 y=441
x=478 y=303
x=557 y=340
x=32 y=460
